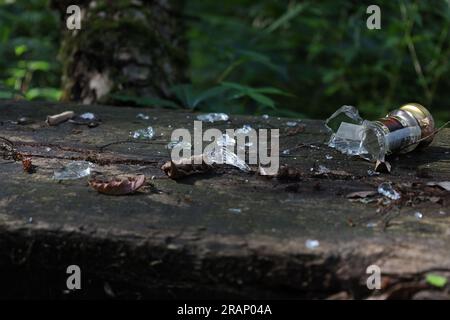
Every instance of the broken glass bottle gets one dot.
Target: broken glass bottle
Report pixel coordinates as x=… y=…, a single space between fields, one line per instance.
x=402 y=130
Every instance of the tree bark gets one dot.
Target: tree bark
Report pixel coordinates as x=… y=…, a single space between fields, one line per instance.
x=128 y=47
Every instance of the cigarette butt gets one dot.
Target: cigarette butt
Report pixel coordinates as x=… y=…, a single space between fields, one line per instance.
x=59 y=118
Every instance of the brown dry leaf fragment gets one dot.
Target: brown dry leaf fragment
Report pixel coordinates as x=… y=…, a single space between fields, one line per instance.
x=296 y=130
x=185 y=167
x=442 y=184
x=340 y=174
x=361 y=194
x=289 y=173
x=435 y=199
x=27 y=165
x=118 y=187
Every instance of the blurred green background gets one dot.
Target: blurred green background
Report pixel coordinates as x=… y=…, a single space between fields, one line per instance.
x=289 y=58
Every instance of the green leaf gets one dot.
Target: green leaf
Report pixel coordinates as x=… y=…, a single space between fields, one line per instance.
x=208 y=94
x=236 y=86
x=262 y=99
x=260 y=58
x=184 y=93
x=271 y=90
x=436 y=280
x=290 y=14
x=21 y=49
x=38 y=65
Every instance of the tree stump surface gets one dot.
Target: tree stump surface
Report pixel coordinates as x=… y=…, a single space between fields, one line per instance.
x=180 y=238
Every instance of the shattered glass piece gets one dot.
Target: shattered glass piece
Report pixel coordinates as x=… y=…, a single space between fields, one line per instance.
x=74 y=170
x=322 y=169
x=226 y=140
x=348 y=114
x=387 y=190
x=286 y=151
x=232 y=159
x=265 y=116
x=142 y=116
x=328 y=157
x=87 y=116
x=244 y=130
x=291 y=123
x=235 y=210
x=147 y=133
x=312 y=244
x=24 y=121
x=48 y=149
x=212 y=117
x=222 y=155
x=178 y=143
x=371 y=225
x=418 y=215
x=347 y=139
x=372 y=173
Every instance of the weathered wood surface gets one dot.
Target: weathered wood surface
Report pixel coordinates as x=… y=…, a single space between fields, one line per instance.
x=180 y=239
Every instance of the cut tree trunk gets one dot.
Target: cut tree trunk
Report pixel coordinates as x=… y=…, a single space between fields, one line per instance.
x=224 y=233
x=132 y=48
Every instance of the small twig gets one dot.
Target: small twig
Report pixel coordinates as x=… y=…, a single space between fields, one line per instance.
x=428 y=136
x=101 y=148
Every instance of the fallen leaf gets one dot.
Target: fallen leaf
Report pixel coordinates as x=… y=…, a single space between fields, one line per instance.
x=361 y=194
x=185 y=167
x=442 y=184
x=435 y=199
x=436 y=280
x=294 y=131
x=289 y=173
x=118 y=187
x=27 y=165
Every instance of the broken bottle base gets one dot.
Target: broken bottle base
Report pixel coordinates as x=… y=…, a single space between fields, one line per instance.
x=402 y=130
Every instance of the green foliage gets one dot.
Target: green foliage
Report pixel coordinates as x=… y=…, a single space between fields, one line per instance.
x=189 y=97
x=322 y=52
x=296 y=58
x=29 y=34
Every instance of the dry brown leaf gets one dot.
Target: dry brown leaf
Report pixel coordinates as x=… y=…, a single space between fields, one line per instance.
x=185 y=167
x=27 y=165
x=442 y=184
x=289 y=173
x=361 y=194
x=118 y=187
